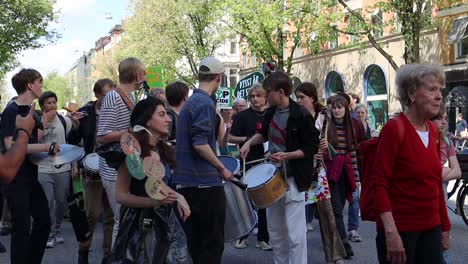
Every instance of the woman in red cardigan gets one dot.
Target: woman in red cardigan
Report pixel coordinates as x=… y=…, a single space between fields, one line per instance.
x=413 y=226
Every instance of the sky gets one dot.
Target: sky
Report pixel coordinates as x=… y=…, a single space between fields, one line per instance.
x=80 y=24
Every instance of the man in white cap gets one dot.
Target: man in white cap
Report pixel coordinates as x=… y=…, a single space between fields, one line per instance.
x=199 y=173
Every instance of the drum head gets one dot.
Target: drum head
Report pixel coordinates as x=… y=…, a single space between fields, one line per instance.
x=91 y=162
x=259 y=175
x=156 y=188
x=135 y=166
x=153 y=167
x=130 y=144
x=232 y=164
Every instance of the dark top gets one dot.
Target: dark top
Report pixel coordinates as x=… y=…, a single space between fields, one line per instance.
x=173 y=126
x=300 y=134
x=28 y=171
x=86 y=131
x=137 y=187
x=245 y=124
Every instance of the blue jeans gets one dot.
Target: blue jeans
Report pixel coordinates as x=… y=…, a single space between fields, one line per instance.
x=445 y=256
x=353 y=211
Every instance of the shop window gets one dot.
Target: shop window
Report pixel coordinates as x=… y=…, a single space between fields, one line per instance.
x=334 y=83
x=376 y=96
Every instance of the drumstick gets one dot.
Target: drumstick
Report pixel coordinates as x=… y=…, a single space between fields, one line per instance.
x=239 y=184
x=243 y=168
x=254 y=161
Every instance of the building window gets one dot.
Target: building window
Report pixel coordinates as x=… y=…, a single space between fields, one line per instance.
x=353 y=27
x=334 y=42
x=244 y=60
x=462 y=48
x=376 y=96
x=334 y=83
x=298 y=52
x=232 y=78
x=377 y=23
x=233 y=46
x=253 y=60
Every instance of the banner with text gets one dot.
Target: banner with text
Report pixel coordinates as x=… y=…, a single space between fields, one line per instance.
x=244 y=85
x=224 y=96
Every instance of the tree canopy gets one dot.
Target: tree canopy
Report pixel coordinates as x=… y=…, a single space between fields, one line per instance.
x=59 y=85
x=24 y=24
x=172 y=34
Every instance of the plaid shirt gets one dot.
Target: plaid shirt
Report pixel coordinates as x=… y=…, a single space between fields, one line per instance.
x=196 y=126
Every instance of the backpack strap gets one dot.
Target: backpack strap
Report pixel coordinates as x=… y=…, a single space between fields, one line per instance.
x=64 y=124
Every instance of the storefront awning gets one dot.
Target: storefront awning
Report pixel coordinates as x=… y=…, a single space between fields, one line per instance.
x=459 y=31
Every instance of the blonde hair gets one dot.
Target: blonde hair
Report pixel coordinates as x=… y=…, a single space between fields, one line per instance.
x=410 y=77
x=129 y=69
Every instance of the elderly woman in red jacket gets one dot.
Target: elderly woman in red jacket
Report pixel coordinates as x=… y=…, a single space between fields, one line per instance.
x=413 y=226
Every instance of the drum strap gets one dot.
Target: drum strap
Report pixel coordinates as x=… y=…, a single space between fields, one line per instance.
x=128 y=102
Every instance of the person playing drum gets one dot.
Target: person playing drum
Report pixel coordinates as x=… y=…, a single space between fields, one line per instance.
x=92 y=185
x=55 y=180
x=199 y=173
x=243 y=128
x=143 y=217
x=293 y=141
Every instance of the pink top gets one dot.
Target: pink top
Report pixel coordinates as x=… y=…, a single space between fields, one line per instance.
x=445 y=153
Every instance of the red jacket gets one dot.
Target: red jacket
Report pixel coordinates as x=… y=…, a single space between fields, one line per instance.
x=408 y=179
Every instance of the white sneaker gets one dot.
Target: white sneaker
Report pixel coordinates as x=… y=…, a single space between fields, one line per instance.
x=240 y=244
x=354 y=236
x=59 y=239
x=51 y=242
x=254 y=231
x=310 y=227
x=263 y=245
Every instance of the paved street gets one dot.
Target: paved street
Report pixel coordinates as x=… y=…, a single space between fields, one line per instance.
x=364 y=251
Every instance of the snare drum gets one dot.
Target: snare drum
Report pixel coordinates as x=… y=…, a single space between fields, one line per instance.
x=91 y=163
x=232 y=164
x=265 y=184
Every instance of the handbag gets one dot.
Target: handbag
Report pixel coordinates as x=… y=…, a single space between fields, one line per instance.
x=112 y=153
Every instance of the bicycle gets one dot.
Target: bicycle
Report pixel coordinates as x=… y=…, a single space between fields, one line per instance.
x=461 y=202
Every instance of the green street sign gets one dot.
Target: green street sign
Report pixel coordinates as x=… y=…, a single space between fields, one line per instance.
x=154 y=77
x=244 y=85
x=224 y=98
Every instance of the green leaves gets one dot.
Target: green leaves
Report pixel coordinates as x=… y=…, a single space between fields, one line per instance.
x=59 y=85
x=173 y=34
x=24 y=24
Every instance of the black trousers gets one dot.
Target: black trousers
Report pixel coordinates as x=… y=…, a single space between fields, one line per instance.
x=28 y=242
x=420 y=247
x=205 y=226
x=338 y=200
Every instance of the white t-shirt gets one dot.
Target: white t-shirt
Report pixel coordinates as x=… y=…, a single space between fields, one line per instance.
x=55 y=132
x=424 y=135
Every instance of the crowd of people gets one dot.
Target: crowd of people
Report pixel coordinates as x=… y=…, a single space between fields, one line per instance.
x=316 y=149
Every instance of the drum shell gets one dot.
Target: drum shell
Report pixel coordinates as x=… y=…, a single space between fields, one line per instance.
x=268 y=193
x=89 y=162
x=240 y=214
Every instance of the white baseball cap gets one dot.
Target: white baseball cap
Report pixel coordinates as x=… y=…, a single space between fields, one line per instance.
x=210 y=65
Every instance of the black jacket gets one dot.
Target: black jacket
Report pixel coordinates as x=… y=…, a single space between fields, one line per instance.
x=300 y=134
x=86 y=131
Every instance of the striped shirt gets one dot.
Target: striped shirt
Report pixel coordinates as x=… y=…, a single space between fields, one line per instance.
x=114 y=116
x=342 y=148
